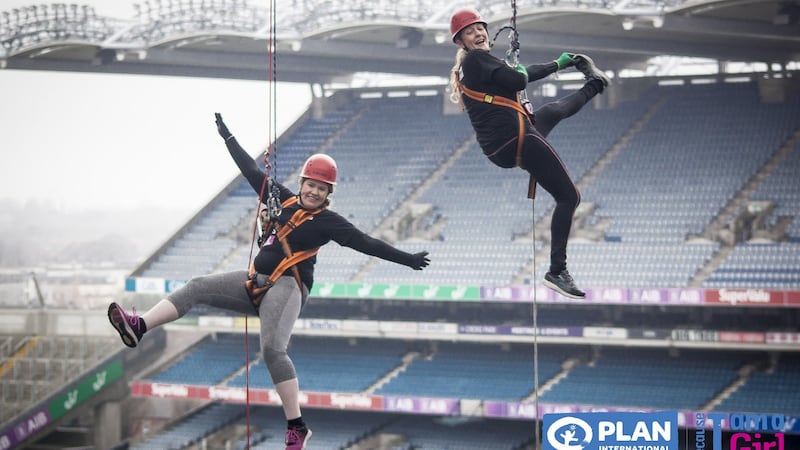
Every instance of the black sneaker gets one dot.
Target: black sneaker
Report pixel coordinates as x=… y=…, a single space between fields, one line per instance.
x=563 y=284
x=586 y=66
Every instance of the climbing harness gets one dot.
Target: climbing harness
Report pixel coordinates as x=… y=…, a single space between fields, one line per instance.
x=522 y=105
x=522 y=117
x=522 y=114
x=275 y=231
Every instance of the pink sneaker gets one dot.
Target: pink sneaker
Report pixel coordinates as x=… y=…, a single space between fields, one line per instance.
x=296 y=438
x=130 y=327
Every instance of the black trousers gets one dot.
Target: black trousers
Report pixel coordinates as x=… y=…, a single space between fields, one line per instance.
x=541 y=160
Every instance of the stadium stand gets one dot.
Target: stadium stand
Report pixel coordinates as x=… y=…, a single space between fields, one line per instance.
x=478 y=434
x=657 y=173
x=433 y=375
x=193 y=427
x=650 y=378
x=773 y=388
x=328 y=371
x=671 y=161
x=342 y=431
x=645 y=233
x=34 y=367
x=757 y=265
x=645 y=241
x=210 y=362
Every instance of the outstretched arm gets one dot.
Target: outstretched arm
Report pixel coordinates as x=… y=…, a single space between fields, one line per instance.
x=376 y=247
x=539 y=71
x=247 y=165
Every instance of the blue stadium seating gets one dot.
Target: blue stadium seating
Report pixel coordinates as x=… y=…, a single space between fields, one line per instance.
x=771 y=391
x=475 y=434
x=783 y=188
x=211 y=361
x=333 y=365
x=509 y=371
x=649 y=378
x=769 y=266
x=192 y=429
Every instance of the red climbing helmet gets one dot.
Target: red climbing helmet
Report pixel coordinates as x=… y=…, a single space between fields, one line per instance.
x=463 y=18
x=320 y=167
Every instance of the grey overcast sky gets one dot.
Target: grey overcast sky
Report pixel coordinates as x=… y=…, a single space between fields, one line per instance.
x=83 y=141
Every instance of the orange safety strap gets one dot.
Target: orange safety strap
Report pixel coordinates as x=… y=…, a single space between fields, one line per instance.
x=299 y=216
x=492 y=99
x=291 y=259
x=522 y=115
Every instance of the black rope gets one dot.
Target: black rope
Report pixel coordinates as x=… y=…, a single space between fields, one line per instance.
x=512 y=55
x=273 y=202
x=503 y=28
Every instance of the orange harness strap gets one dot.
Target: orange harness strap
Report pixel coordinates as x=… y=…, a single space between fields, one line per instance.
x=291 y=259
x=492 y=99
x=522 y=115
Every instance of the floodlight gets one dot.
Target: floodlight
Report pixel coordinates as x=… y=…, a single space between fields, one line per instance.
x=627 y=24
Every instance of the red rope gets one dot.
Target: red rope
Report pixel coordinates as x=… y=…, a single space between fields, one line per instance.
x=271 y=133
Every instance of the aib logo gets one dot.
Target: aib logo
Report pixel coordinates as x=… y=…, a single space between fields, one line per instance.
x=751 y=431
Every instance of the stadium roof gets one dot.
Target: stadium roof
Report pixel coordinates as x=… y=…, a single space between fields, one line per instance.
x=322 y=41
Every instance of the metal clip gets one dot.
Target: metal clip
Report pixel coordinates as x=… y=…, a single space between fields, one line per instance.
x=274 y=207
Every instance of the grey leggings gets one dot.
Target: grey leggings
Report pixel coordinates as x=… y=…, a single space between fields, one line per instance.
x=279 y=310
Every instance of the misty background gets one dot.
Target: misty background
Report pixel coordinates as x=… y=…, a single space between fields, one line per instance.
x=102 y=169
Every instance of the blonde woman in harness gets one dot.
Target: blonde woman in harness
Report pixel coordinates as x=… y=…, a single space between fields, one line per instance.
x=283 y=274
x=512 y=134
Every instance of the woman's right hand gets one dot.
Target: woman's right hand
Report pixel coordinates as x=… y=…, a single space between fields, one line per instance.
x=222 y=129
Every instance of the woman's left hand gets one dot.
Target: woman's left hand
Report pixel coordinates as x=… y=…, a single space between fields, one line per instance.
x=419 y=260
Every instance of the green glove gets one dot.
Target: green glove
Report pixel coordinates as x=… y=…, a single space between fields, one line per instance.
x=565 y=60
x=521 y=69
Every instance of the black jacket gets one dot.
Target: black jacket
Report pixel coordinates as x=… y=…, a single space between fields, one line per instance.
x=496 y=126
x=319 y=230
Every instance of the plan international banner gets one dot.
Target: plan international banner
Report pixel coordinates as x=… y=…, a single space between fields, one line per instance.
x=611 y=431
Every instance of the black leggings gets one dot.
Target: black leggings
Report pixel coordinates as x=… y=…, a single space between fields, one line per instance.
x=543 y=163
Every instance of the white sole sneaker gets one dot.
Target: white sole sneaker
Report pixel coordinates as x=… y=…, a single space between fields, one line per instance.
x=119 y=320
x=555 y=286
